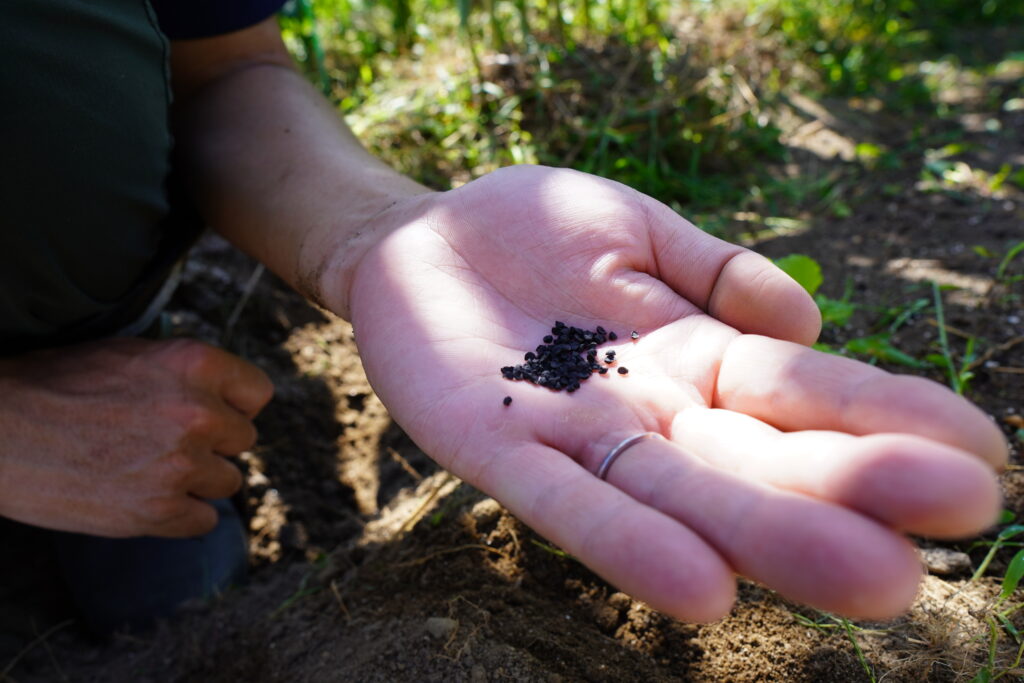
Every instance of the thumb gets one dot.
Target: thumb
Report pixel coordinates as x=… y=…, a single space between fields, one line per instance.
x=739 y=287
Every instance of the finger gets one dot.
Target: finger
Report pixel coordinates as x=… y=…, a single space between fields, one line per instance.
x=214 y=426
x=198 y=473
x=235 y=433
x=795 y=388
x=906 y=482
x=640 y=550
x=213 y=477
x=810 y=551
x=177 y=517
x=735 y=285
x=241 y=385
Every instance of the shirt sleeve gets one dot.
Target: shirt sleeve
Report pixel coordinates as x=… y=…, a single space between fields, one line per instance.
x=185 y=19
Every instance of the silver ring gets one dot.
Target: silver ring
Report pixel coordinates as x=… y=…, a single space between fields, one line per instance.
x=624 y=445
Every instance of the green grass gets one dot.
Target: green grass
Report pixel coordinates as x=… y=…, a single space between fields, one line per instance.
x=960 y=374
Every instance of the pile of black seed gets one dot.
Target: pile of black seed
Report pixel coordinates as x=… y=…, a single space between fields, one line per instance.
x=567 y=357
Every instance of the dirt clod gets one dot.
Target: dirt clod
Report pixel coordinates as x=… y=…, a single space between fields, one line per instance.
x=441 y=628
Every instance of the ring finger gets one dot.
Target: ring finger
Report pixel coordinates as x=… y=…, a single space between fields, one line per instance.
x=808 y=550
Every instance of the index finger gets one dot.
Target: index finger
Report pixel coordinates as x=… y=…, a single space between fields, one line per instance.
x=240 y=384
x=792 y=387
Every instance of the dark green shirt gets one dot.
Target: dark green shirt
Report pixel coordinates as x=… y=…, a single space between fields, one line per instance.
x=88 y=231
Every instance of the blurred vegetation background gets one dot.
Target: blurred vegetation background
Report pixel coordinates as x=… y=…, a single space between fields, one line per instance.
x=694 y=102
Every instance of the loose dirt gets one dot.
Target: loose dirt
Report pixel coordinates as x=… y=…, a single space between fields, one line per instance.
x=370 y=564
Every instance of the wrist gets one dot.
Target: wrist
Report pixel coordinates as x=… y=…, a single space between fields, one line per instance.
x=333 y=270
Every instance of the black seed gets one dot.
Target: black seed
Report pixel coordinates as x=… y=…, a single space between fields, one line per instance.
x=566 y=359
x=634 y=334
x=612 y=336
x=507 y=400
x=623 y=371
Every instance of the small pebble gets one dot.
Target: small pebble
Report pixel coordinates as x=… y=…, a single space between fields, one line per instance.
x=612 y=336
x=487 y=511
x=507 y=400
x=634 y=334
x=623 y=371
x=441 y=627
x=944 y=561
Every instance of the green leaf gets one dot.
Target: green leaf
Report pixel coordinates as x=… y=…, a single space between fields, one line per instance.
x=1014 y=573
x=1017 y=178
x=841 y=209
x=878 y=346
x=983 y=676
x=803 y=269
x=866 y=150
x=834 y=311
x=1006 y=516
x=1010 y=255
x=1010 y=532
x=1010 y=628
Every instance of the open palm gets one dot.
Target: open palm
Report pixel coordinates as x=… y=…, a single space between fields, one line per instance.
x=795 y=468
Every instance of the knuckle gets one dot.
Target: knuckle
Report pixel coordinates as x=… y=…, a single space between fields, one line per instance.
x=179 y=470
x=191 y=356
x=195 y=418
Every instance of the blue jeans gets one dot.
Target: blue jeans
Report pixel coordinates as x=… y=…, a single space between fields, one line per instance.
x=128 y=583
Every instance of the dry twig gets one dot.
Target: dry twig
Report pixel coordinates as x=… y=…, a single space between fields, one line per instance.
x=5 y=674
x=995 y=350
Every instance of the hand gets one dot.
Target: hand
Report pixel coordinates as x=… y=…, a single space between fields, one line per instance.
x=795 y=468
x=125 y=437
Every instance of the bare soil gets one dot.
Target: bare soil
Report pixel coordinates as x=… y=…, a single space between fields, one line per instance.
x=371 y=564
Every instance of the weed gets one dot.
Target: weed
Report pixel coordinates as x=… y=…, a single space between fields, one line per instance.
x=302 y=591
x=1004 y=264
x=959 y=376
x=552 y=549
x=828 y=621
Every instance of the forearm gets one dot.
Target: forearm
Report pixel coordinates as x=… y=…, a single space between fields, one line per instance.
x=276 y=170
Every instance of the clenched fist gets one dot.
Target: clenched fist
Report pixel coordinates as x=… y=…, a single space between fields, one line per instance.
x=125 y=437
